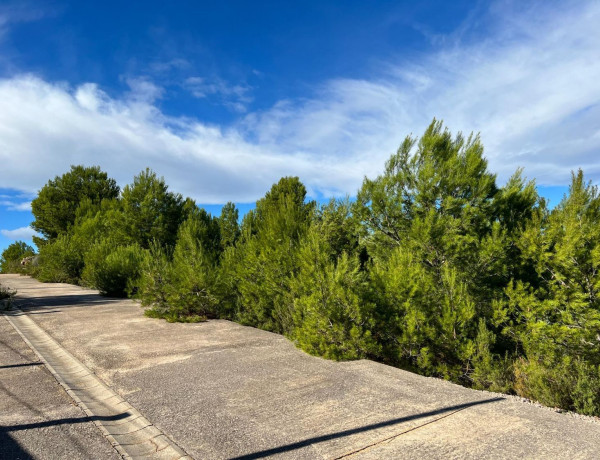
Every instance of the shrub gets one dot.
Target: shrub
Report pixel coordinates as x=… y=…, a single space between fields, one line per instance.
x=331 y=315
x=61 y=261
x=154 y=282
x=112 y=270
x=184 y=289
x=6 y=296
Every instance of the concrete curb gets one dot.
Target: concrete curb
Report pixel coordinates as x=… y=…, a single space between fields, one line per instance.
x=128 y=431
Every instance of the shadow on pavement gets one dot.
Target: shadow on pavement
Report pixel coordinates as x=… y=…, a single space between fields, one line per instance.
x=42 y=304
x=374 y=426
x=32 y=312
x=64 y=421
x=8 y=366
x=9 y=448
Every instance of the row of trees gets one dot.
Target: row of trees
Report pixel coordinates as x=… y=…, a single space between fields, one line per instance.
x=433 y=268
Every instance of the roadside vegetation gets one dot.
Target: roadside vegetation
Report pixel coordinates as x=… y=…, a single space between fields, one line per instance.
x=6 y=297
x=433 y=268
x=13 y=255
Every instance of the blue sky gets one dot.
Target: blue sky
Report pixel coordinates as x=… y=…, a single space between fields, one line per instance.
x=224 y=98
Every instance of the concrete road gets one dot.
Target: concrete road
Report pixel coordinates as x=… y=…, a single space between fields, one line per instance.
x=37 y=417
x=221 y=390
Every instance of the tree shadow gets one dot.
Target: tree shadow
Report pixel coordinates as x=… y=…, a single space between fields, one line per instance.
x=350 y=432
x=64 y=421
x=48 y=304
x=10 y=448
x=9 y=366
x=38 y=312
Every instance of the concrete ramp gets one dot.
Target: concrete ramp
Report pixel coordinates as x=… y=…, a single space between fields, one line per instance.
x=220 y=390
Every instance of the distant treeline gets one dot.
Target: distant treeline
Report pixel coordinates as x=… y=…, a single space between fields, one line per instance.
x=433 y=268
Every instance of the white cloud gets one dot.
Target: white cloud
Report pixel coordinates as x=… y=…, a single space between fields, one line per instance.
x=14 y=206
x=22 y=233
x=530 y=87
x=143 y=90
x=44 y=128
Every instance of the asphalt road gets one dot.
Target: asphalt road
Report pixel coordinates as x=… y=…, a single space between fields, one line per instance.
x=221 y=390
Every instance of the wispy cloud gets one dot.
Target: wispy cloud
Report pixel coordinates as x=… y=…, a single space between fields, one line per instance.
x=234 y=96
x=530 y=87
x=14 y=12
x=22 y=233
x=167 y=65
x=142 y=89
x=15 y=206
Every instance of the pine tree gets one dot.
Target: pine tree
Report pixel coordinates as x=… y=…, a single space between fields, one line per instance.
x=266 y=257
x=55 y=206
x=150 y=211
x=229 y=226
x=193 y=293
x=332 y=316
x=426 y=222
x=556 y=318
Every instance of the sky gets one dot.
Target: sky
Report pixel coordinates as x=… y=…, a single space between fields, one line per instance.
x=224 y=98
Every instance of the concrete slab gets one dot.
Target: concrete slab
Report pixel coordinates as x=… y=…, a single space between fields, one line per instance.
x=38 y=419
x=221 y=390
x=92 y=395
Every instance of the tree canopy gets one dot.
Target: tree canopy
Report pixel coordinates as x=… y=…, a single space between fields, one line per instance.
x=55 y=206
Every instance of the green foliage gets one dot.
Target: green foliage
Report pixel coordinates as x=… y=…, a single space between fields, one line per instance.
x=569 y=383
x=429 y=224
x=193 y=270
x=555 y=317
x=426 y=318
x=228 y=225
x=61 y=260
x=331 y=315
x=266 y=259
x=112 y=269
x=185 y=287
x=150 y=211
x=10 y=260
x=490 y=371
x=338 y=227
x=154 y=283
x=55 y=207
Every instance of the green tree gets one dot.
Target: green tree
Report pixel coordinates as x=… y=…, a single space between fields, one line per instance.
x=62 y=260
x=555 y=318
x=332 y=316
x=429 y=223
x=10 y=260
x=55 y=207
x=194 y=270
x=229 y=225
x=266 y=258
x=339 y=228
x=150 y=211
x=154 y=283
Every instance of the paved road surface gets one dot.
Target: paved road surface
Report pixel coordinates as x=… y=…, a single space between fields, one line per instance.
x=37 y=417
x=221 y=390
